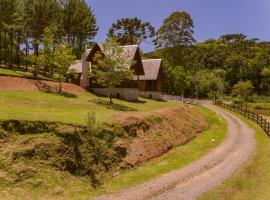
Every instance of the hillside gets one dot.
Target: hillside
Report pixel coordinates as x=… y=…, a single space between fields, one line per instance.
x=39 y=159
x=46 y=142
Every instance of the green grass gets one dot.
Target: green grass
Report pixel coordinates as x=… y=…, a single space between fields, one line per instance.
x=48 y=107
x=4 y=71
x=252 y=180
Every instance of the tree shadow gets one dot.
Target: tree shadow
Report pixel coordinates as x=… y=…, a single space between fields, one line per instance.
x=137 y=101
x=113 y=106
x=43 y=87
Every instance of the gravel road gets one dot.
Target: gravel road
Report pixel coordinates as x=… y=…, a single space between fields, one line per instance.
x=202 y=175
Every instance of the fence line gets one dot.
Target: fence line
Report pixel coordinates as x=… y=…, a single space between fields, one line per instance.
x=179 y=98
x=258 y=119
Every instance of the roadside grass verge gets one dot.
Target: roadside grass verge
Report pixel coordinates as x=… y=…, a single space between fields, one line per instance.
x=41 y=106
x=176 y=158
x=252 y=180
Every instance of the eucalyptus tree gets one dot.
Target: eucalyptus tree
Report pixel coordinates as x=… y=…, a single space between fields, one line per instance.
x=128 y=31
x=176 y=31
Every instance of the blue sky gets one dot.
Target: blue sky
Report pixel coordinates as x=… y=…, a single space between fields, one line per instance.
x=212 y=18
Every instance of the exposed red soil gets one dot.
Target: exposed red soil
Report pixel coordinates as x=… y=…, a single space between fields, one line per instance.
x=157 y=133
x=8 y=83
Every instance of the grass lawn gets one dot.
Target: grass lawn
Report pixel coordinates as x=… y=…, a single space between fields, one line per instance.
x=4 y=71
x=252 y=180
x=20 y=73
x=51 y=184
x=48 y=107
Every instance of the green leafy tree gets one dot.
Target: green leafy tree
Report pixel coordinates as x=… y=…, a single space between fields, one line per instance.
x=110 y=68
x=131 y=31
x=63 y=58
x=243 y=89
x=176 y=31
x=176 y=80
x=217 y=83
x=266 y=79
x=47 y=52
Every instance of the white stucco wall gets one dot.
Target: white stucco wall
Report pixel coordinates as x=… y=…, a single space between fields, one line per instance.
x=154 y=94
x=86 y=66
x=129 y=94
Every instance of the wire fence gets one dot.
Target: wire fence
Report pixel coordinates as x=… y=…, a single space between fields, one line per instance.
x=258 y=119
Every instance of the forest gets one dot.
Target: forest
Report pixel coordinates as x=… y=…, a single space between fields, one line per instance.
x=31 y=32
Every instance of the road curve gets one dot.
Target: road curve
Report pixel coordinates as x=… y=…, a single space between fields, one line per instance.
x=202 y=175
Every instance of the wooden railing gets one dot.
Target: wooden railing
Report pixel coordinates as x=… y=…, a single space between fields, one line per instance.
x=258 y=119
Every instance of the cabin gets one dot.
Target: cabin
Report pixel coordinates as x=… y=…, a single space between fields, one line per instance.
x=150 y=84
x=147 y=75
x=128 y=90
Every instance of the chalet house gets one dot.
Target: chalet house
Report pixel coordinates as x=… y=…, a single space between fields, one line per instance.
x=150 y=84
x=147 y=75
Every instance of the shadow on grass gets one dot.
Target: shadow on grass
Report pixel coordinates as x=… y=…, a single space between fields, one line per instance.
x=137 y=101
x=43 y=87
x=114 y=106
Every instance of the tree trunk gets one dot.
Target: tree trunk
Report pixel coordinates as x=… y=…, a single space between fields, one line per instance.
x=196 y=94
x=26 y=51
x=60 y=84
x=18 y=49
x=5 y=47
x=11 y=49
x=110 y=95
x=0 y=46
x=36 y=47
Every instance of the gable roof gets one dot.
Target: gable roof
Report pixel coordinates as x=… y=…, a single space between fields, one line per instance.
x=151 y=69
x=76 y=66
x=131 y=52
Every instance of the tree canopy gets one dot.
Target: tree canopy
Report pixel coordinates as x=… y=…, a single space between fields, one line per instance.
x=131 y=31
x=176 y=31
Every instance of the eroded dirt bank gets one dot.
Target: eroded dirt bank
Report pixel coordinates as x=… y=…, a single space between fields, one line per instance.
x=96 y=152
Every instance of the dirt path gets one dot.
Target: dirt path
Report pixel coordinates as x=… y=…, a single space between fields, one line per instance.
x=202 y=175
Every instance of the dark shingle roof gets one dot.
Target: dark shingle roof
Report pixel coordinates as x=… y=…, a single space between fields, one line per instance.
x=151 y=69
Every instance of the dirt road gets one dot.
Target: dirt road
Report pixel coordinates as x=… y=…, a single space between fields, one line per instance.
x=202 y=175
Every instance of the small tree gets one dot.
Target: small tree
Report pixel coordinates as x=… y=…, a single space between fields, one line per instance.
x=111 y=67
x=63 y=58
x=48 y=47
x=243 y=90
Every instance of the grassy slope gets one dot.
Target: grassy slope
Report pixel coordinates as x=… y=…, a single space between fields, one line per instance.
x=48 y=107
x=15 y=73
x=51 y=184
x=20 y=73
x=252 y=180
